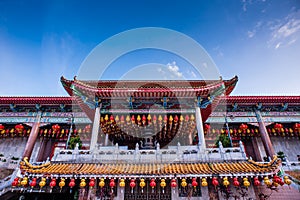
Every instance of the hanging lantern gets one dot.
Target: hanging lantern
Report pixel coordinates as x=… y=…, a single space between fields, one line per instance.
x=82 y=183
x=101 y=183
x=133 y=119
x=297 y=127
x=92 y=183
x=278 y=127
x=236 y=183
x=122 y=184
x=19 y=128
x=173 y=183
x=267 y=181
x=152 y=184
x=15 y=182
x=287 y=180
x=1 y=127
x=225 y=181
x=163 y=185
x=246 y=182
x=204 y=182
x=142 y=184
x=72 y=184
x=52 y=184
x=192 y=118
x=215 y=181
x=132 y=184
x=183 y=182
x=32 y=183
x=42 y=183
x=62 y=183
x=277 y=179
x=24 y=181
x=243 y=126
x=176 y=119
x=194 y=182
x=256 y=181
x=55 y=128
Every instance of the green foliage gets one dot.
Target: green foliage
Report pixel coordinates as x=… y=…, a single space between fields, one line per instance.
x=224 y=139
x=73 y=141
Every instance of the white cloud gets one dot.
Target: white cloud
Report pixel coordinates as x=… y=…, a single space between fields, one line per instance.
x=286 y=31
x=255 y=29
x=174 y=69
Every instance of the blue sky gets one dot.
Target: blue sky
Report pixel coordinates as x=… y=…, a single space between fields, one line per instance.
x=258 y=40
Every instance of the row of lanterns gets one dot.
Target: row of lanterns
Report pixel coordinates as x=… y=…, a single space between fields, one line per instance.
x=24 y=182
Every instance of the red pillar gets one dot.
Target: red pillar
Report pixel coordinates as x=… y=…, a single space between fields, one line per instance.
x=264 y=135
x=32 y=137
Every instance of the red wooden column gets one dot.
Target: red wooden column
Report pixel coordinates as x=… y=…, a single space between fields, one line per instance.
x=33 y=136
x=264 y=135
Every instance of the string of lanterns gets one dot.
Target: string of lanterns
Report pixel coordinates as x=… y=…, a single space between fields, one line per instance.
x=40 y=183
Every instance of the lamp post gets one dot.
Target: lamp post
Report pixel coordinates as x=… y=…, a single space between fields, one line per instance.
x=227 y=128
x=70 y=130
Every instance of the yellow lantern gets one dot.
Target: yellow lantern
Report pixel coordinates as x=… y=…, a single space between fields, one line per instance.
x=102 y=183
x=24 y=181
x=226 y=182
x=42 y=183
x=142 y=184
x=82 y=183
x=183 y=182
x=246 y=182
x=62 y=183
x=162 y=183
x=267 y=181
x=204 y=182
x=122 y=183
x=287 y=180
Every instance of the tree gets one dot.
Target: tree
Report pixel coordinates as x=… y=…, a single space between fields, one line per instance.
x=73 y=141
x=224 y=139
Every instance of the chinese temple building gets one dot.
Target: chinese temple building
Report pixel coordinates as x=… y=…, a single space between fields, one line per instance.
x=146 y=140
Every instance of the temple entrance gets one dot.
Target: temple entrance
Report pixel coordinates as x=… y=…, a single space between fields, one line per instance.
x=147 y=193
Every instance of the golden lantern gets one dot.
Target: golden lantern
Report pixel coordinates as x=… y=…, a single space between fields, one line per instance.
x=267 y=181
x=246 y=182
x=225 y=182
x=163 y=185
x=82 y=183
x=287 y=180
x=183 y=182
x=122 y=183
x=204 y=182
x=42 y=183
x=142 y=184
x=24 y=181
x=101 y=183
x=62 y=183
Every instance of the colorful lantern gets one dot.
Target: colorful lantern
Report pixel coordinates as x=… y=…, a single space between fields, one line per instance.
x=92 y=183
x=243 y=126
x=1 y=127
x=183 y=182
x=24 y=181
x=52 y=184
x=42 y=183
x=246 y=182
x=72 y=183
x=142 y=184
x=122 y=183
x=236 y=183
x=256 y=181
x=215 y=181
x=132 y=184
x=152 y=184
x=194 y=183
x=225 y=182
x=15 y=182
x=55 y=128
x=82 y=183
x=173 y=183
x=19 y=128
x=204 y=182
x=163 y=184
x=33 y=183
x=278 y=127
x=287 y=180
x=267 y=181
x=62 y=183
x=101 y=183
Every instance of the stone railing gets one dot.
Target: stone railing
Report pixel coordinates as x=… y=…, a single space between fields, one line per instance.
x=171 y=154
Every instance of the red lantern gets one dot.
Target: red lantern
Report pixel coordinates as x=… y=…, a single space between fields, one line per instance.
x=55 y=128
x=297 y=127
x=256 y=181
x=278 y=127
x=19 y=128
x=132 y=184
x=112 y=183
x=173 y=183
x=194 y=183
x=152 y=183
x=236 y=183
x=72 y=183
x=33 y=183
x=133 y=119
x=52 y=184
x=243 y=126
x=15 y=182
x=215 y=181
x=92 y=183
x=1 y=127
